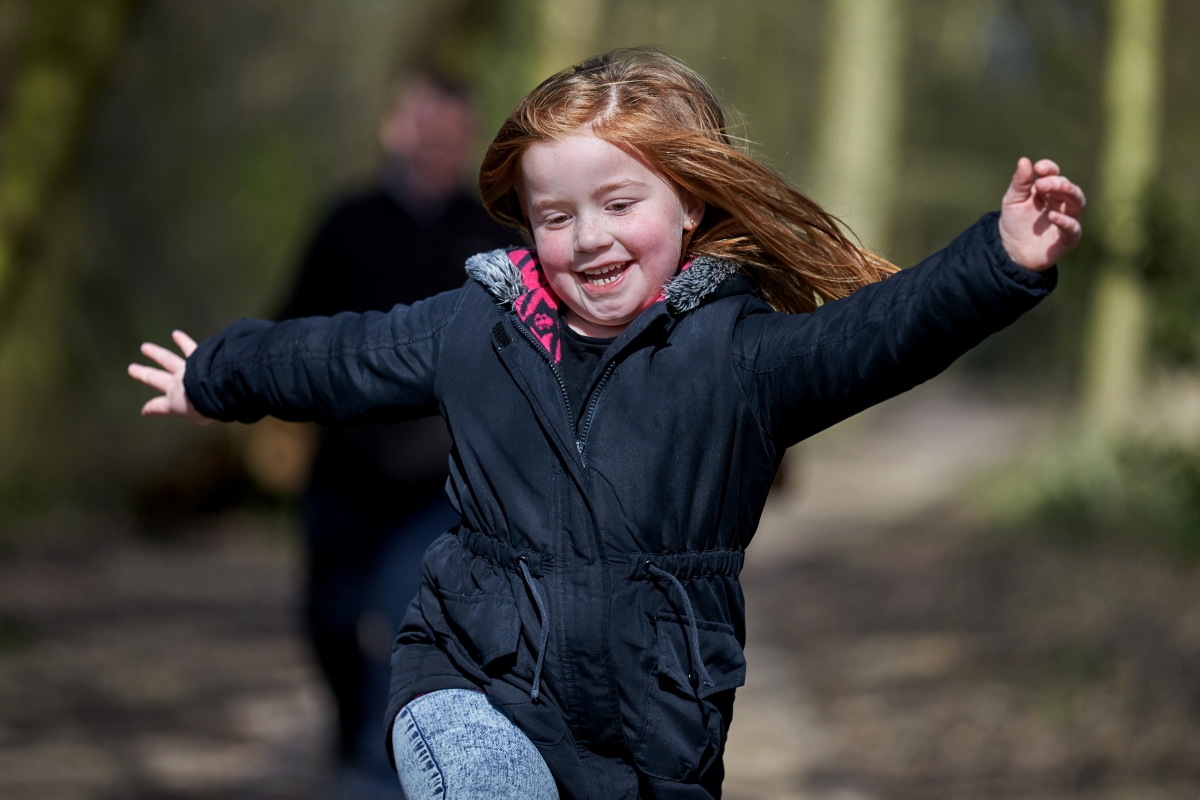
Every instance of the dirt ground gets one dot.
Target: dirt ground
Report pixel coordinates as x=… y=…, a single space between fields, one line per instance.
x=895 y=649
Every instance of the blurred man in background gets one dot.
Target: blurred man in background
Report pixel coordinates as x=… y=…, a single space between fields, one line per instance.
x=376 y=496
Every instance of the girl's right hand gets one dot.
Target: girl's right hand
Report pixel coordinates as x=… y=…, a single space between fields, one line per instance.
x=174 y=401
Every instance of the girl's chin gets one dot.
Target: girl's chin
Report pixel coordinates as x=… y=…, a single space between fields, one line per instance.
x=610 y=315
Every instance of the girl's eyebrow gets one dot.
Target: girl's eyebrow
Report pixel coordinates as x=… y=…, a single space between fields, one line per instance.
x=603 y=189
x=615 y=185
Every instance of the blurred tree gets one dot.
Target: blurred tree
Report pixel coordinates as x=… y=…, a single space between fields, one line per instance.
x=858 y=152
x=57 y=52
x=56 y=55
x=759 y=55
x=1129 y=162
x=568 y=31
x=227 y=122
x=488 y=45
x=224 y=127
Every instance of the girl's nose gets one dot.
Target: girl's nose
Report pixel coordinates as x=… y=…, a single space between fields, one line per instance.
x=591 y=234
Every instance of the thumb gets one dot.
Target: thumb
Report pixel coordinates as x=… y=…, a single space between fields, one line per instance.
x=1021 y=187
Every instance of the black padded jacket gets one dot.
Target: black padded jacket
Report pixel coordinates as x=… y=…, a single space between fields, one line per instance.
x=592 y=588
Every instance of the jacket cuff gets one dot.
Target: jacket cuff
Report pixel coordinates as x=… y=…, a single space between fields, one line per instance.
x=193 y=384
x=1038 y=283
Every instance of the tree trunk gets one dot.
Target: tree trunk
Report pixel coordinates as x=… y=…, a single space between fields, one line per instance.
x=1128 y=163
x=62 y=52
x=858 y=140
x=568 y=31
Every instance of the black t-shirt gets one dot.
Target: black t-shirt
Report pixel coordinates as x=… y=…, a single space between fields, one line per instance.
x=580 y=355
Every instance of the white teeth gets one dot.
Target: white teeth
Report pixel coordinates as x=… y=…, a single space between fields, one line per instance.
x=594 y=279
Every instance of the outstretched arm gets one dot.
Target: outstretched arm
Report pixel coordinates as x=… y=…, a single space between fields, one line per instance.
x=343 y=370
x=805 y=372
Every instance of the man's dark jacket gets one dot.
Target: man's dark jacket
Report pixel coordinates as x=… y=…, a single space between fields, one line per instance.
x=372 y=253
x=601 y=560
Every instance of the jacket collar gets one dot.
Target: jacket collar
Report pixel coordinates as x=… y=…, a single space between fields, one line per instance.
x=514 y=278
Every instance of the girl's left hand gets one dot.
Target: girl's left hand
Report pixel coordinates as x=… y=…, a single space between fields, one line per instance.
x=1039 y=216
x=173 y=402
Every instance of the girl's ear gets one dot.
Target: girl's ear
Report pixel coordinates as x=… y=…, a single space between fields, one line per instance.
x=693 y=212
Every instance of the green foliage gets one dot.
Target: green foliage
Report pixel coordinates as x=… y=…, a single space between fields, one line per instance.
x=272 y=195
x=1171 y=270
x=182 y=202
x=1086 y=490
x=227 y=124
x=490 y=45
x=64 y=53
x=1062 y=676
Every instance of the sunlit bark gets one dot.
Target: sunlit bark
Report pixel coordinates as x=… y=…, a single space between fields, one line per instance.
x=1128 y=163
x=568 y=32
x=858 y=142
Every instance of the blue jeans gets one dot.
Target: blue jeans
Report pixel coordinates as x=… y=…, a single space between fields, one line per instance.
x=453 y=745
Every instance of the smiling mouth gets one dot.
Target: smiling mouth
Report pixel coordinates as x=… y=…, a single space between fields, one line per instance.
x=606 y=275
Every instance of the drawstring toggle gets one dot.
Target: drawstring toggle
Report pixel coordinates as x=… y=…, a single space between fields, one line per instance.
x=705 y=680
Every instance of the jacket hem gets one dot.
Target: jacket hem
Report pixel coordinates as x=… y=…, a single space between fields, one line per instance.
x=426 y=684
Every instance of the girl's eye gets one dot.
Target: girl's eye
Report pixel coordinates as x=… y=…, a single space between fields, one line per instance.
x=557 y=219
x=620 y=206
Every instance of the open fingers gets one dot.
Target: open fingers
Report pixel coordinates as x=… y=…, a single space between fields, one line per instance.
x=163 y=357
x=185 y=343
x=154 y=378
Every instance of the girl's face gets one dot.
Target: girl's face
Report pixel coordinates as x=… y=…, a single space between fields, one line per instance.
x=609 y=231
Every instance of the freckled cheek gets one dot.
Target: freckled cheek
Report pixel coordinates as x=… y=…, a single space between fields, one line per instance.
x=657 y=244
x=556 y=254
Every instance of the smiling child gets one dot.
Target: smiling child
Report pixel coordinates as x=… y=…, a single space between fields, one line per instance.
x=620 y=398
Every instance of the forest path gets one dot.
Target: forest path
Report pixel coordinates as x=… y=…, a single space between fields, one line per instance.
x=847 y=487
x=898 y=648
x=150 y=671
x=895 y=650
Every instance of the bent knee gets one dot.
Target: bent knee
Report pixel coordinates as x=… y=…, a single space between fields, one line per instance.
x=453 y=745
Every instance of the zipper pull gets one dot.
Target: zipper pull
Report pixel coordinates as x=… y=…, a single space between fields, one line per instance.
x=579 y=446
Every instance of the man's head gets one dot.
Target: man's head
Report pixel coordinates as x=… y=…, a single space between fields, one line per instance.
x=429 y=133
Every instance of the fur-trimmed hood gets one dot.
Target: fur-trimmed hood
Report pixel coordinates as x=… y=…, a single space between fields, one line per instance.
x=509 y=274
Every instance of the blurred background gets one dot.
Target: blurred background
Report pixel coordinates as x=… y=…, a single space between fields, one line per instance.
x=987 y=588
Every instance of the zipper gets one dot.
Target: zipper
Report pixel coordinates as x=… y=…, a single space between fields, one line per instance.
x=582 y=435
x=562 y=386
x=581 y=442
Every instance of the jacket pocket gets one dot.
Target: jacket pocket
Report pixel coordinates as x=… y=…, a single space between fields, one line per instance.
x=682 y=730
x=470 y=606
x=487 y=626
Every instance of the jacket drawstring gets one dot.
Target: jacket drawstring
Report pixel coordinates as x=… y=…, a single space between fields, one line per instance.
x=544 y=617
x=705 y=680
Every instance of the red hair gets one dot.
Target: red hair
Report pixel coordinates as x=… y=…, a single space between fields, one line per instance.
x=659 y=111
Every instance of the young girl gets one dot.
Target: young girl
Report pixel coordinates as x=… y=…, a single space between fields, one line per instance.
x=620 y=399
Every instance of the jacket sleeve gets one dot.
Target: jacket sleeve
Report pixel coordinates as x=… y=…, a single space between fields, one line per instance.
x=806 y=372
x=349 y=369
